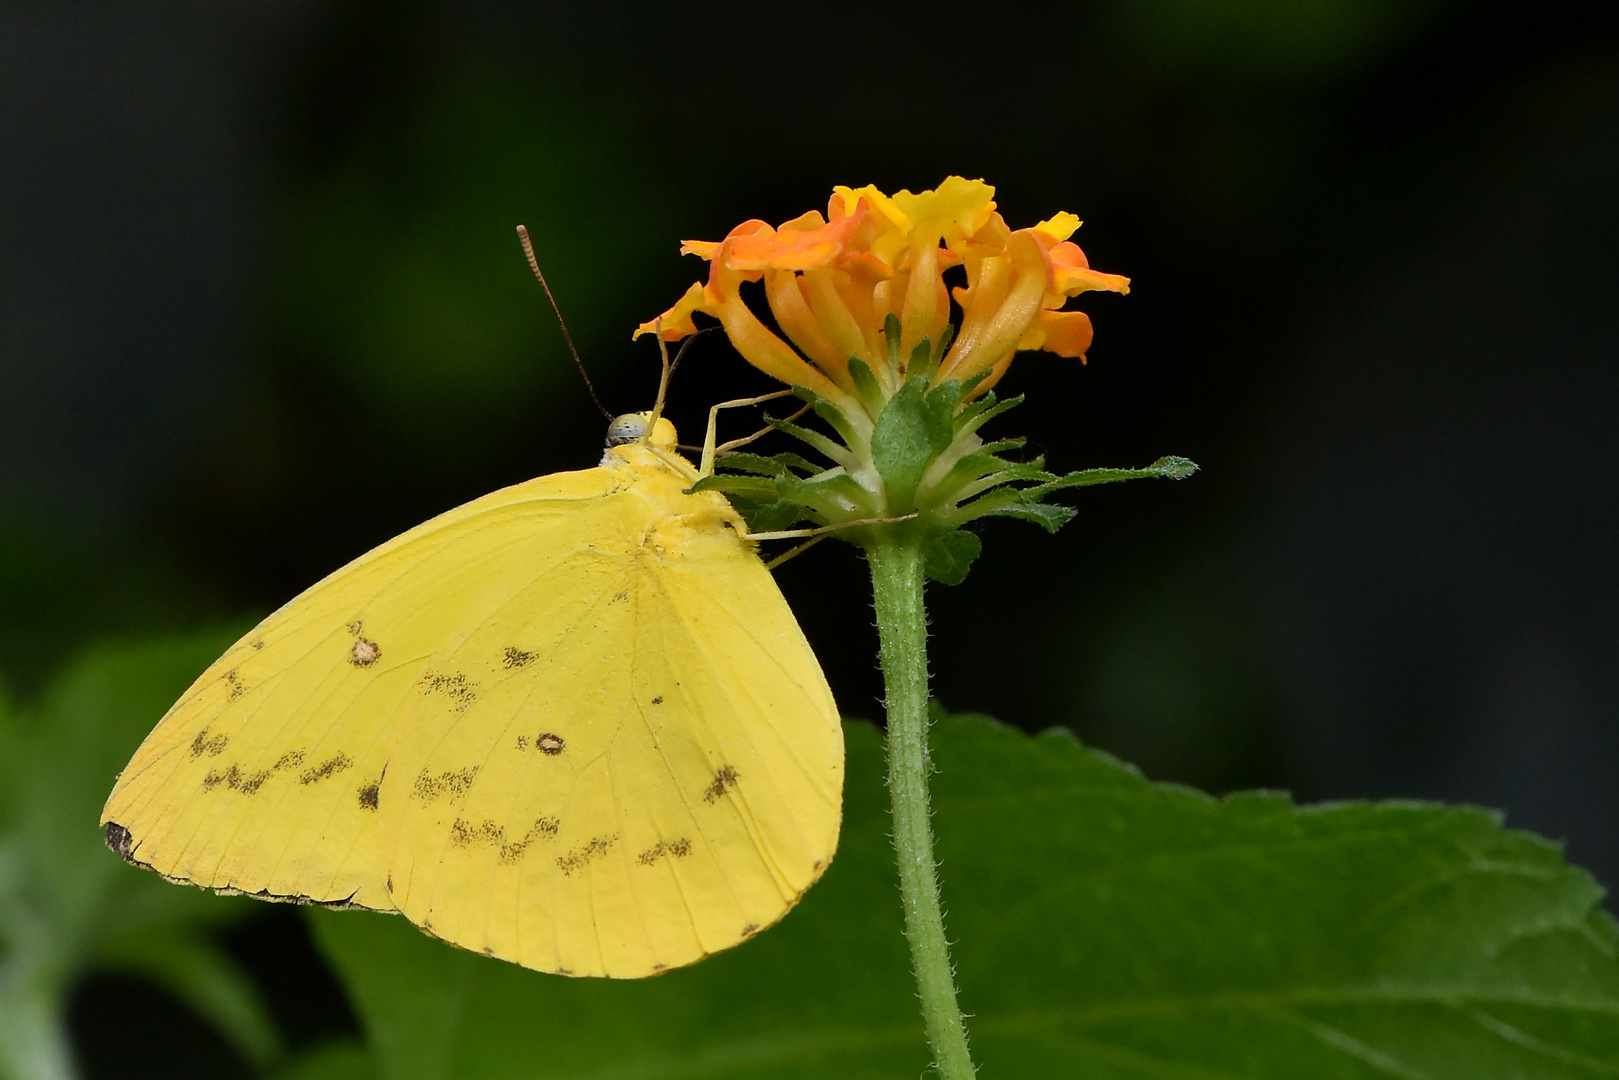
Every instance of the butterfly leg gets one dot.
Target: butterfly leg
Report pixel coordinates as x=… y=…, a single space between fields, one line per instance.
x=710 y=451
x=816 y=535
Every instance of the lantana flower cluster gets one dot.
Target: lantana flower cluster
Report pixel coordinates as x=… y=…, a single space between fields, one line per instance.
x=866 y=340
x=832 y=282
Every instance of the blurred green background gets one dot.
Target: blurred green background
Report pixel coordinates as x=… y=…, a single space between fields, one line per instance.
x=262 y=308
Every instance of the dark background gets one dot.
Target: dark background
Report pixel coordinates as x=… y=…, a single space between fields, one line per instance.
x=261 y=308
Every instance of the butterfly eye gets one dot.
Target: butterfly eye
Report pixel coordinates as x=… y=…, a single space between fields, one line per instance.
x=631 y=427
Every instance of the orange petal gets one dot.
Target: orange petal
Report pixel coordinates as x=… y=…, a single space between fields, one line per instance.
x=707 y=248
x=1071 y=273
x=797 y=321
x=1066 y=333
x=767 y=352
x=793 y=247
x=676 y=322
x=987 y=341
x=808 y=220
x=833 y=312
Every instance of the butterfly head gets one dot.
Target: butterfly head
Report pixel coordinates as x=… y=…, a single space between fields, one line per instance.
x=633 y=427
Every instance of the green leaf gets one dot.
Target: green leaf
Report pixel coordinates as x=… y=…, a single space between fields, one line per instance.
x=205 y=977
x=754 y=463
x=984 y=410
x=752 y=487
x=950 y=555
x=979 y=472
x=891 y=335
x=1166 y=468
x=910 y=432
x=833 y=492
x=1174 y=468
x=865 y=383
x=837 y=453
x=917 y=366
x=1048 y=517
x=799 y=463
x=67 y=904
x=774 y=516
x=347 y=1060
x=1104 y=927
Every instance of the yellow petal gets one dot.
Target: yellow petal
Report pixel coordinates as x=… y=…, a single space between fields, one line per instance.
x=1059 y=227
x=958 y=208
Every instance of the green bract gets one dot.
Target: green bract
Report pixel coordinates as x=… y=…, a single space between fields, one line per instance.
x=923 y=468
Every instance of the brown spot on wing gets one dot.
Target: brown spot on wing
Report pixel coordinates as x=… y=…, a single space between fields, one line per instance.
x=750 y=928
x=678 y=849
x=212 y=745
x=658 y=700
x=464 y=835
x=582 y=856
x=290 y=760
x=369 y=795
x=364 y=652
x=514 y=657
x=234 y=686
x=522 y=742
x=451 y=782
x=119 y=839
x=725 y=778
x=328 y=768
x=461 y=690
x=489 y=833
x=256 y=644
x=550 y=743
x=237 y=780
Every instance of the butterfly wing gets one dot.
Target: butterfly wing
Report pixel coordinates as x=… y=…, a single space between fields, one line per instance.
x=572 y=724
x=265 y=776
x=655 y=772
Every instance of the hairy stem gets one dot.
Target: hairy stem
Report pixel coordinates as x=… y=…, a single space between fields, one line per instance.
x=896 y=579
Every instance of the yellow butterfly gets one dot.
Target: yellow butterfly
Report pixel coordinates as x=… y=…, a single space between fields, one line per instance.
x=572 y=724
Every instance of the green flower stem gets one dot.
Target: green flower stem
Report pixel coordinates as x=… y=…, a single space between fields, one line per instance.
x=896 y=581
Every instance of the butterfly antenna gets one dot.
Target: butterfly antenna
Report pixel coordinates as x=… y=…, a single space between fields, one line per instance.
x=534 y=265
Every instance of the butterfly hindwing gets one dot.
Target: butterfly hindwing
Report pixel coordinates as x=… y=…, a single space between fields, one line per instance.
x=646 y=780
